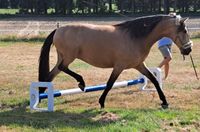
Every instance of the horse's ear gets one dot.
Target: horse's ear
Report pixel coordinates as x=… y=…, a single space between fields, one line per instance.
x=184 y=19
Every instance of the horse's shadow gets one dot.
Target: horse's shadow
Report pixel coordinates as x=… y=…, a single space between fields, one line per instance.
x=20 y=115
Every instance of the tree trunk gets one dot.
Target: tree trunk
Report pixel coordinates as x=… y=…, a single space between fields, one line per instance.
x=159 y=6
x=69 y=6
x=110 y=6
x=166 y=6
x=175 y=5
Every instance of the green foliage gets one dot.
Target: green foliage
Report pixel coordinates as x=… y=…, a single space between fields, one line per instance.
x=9 y=11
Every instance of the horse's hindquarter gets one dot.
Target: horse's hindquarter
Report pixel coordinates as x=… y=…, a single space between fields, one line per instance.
x=101 y=46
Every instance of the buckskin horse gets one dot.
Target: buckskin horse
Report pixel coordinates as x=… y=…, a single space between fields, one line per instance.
x=121 y=46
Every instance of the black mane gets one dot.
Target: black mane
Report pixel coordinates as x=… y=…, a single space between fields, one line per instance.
x=140 y=27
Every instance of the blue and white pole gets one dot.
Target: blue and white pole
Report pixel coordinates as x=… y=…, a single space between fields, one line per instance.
x=35 y=96
x=92 y=88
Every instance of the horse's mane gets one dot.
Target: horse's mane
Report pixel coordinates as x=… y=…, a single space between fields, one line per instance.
x=140 y=27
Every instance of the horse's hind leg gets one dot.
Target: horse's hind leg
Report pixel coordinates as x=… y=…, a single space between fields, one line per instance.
x=55 y=71
x=51 y=76
x=64 y=67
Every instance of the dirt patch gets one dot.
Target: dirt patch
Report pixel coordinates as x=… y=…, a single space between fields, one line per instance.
x=106 y=117
x=181 y=126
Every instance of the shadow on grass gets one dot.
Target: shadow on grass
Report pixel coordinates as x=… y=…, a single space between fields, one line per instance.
x=21 y=116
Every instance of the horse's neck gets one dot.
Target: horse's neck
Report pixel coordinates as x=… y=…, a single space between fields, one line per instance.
x=152 y=39
x=157 y=34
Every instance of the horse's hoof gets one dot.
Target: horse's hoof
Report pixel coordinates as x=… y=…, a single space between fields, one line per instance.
x=42 y=90
x=40 y=100
x=101 y=103
x=165 y=106
x=102 y=106
x=82 y=87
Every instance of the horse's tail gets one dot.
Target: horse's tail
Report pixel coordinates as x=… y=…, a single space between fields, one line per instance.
x=44 y=58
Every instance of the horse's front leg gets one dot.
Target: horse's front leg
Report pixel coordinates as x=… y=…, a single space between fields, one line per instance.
x=145 y=71
x=113 y=77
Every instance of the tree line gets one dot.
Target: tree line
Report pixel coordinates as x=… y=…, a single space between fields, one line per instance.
x=87 y=7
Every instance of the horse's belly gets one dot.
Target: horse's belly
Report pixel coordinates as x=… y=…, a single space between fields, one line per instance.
x=98 y=63
x=98 y=60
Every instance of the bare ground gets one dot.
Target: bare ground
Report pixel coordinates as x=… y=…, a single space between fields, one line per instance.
x=19 y=63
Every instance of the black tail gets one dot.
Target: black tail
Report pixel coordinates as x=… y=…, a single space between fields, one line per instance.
x=44 y=59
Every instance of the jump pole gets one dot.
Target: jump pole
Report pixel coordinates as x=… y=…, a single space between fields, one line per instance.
x=50 y=94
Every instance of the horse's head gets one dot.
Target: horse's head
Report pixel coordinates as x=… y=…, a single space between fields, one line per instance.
x=180 y=35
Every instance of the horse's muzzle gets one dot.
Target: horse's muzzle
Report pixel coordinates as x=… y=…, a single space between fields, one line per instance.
x=187 y=48
x=186 y=51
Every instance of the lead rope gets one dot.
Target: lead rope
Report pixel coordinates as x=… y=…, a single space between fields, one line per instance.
x=183 y=57
x=192 y=63
x=194 y=67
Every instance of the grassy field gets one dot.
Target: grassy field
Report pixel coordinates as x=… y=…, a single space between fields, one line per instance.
x=126 y=109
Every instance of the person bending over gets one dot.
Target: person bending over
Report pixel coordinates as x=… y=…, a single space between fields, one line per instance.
x=164 y=45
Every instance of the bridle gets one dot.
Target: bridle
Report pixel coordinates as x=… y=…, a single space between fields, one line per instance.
x=186 y=45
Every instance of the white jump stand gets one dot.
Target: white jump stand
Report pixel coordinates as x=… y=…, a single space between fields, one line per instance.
x=35 y=96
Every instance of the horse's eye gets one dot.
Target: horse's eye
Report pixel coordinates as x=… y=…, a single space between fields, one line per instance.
x=185 y=31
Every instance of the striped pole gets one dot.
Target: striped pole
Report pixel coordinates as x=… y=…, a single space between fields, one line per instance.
x=92 y=88
x=35 y=97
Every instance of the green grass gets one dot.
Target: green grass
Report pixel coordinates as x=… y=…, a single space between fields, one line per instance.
x=9 y=11
x=13 y=39
x=19 y=117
